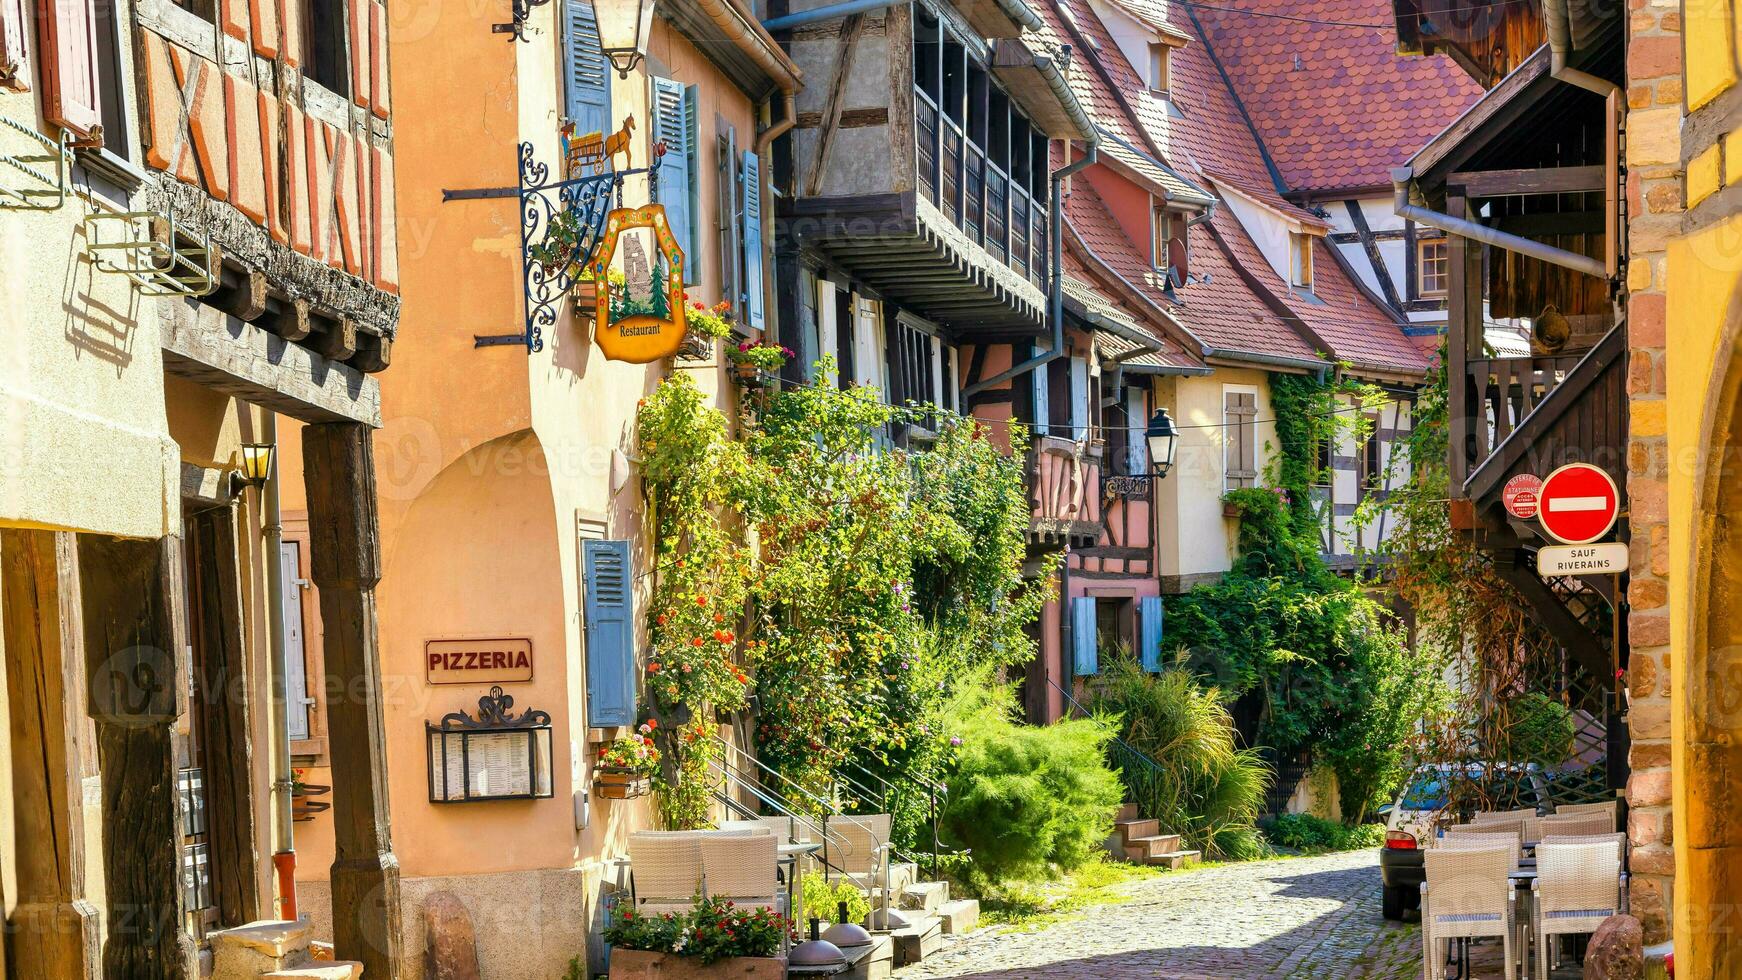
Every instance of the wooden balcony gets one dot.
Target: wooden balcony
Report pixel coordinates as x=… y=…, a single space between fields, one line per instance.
x=1064 y=481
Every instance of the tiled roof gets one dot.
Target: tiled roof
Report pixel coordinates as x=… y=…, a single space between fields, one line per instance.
x=1179 y=190
x=1167 y=352
x=1336 y=106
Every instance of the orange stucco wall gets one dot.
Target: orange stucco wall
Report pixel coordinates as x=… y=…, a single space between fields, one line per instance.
x=1131 y=205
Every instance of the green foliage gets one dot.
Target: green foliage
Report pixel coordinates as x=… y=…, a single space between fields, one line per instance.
x=713 y=930
x=850 y=583
x=1189 y=775
x=1305 y=832
x=1540 y=730
x=1330 y=664
x=823 y=899
x=629 y=929
x=1027 y=800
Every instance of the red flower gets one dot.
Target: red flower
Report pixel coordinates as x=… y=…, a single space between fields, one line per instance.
x=701 y=600
x=653 y=668
x=662 y=619
x=696 y=641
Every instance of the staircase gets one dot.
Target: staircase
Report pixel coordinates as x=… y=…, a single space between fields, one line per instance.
x=1140 y=841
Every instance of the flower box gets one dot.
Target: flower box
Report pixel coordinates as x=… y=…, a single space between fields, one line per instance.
x=636 y=964
x=748 y=374
x=1230 y=509
x=620 y=784
x=586 y=297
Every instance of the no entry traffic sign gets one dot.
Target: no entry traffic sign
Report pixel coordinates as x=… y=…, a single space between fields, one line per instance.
x=1521 y=494
x=1578 y=503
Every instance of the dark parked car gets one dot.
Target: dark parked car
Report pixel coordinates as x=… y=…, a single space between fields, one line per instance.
x=1429 y=801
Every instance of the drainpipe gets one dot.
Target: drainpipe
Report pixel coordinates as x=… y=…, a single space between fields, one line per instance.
x=284 y=859
x=1465 y=228
x=1056 y=302
x=827 y=12
x=1554 y=22
x=778 y=129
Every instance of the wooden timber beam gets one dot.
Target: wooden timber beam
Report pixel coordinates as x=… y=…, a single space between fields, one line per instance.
x=1541 y=180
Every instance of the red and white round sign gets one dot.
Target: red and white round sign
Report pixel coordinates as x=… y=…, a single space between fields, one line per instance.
x=1578 y=503
x=1521 y=494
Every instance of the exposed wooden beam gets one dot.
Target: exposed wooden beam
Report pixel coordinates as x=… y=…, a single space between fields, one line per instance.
x=1541 y=180
x=847 y=47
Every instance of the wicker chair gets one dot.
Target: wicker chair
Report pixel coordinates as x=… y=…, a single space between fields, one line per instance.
x=1612 y=808
x=1577 y=886
x=743 y=869
x=1619 y=839
x=1467 y=895
x=1578 y=824
x=665 y=870
x=1529 y=819
x=1499 y=824
x=744 y=827
x=857 y=848
x=780 y=827
x=1477 y=835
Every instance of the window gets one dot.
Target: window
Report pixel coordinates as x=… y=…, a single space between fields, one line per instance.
x=1372 y=460
x=924 y=366
x=1300 y=259
x=1239 y=438
x=323 y=25
x=1161 y=236
x=1114 y=617
x=1158 y=68
x=1433 y=265
x=674 y=123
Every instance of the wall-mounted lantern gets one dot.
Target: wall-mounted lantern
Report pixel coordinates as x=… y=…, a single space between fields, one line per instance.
x=493 y=756
x=1162 y=437
x=624 y=26
x=255 y=469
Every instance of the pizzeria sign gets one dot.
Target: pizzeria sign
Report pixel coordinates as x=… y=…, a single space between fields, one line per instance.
x=487 y=660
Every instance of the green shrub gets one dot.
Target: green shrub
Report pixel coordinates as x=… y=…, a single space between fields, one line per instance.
x=1186 y=771
x=1305 y=832
x=1027 y=801
x=822 y=898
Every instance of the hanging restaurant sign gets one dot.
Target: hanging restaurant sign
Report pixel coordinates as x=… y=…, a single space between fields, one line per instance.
x=638 y=277
x=491 y=660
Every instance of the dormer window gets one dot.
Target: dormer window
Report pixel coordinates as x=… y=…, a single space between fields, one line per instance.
x=1158 y=82
x=1300 y=266
x=1162 y=235
x=1167 y=247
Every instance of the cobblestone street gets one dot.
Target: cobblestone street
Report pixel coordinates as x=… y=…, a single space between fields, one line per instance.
x=1314 y=917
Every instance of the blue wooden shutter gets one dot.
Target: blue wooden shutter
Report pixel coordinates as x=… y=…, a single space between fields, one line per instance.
x=1149 y=632
x=753 y=239
x=1037 y=377
x=692 y=159
x=610 y=631
x=1083 y=657
x=586 y=73
x=672 y=107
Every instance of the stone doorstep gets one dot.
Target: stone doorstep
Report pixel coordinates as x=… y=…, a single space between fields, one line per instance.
x=1143 y=848
x=959 y=916
x=925 y=896
x=1127 y=811
x=257 y=948
x=319 y=951
x=877 y=965
x=919 y=940
x=330 y=970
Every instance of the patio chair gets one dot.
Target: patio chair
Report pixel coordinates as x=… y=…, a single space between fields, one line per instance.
x=1499 y=824
x=780 y=827
x=1611 y=808
x=1619 y=839
x=1577 y=886
x=1466 y=895
x=743 y=826
x=1529 y=819
x=743 y=869
x=1468 y=838
x=665 y=870
x=1578 y=824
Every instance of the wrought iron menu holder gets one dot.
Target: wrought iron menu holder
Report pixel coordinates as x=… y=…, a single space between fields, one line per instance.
x=493 y=756
x=585 y=201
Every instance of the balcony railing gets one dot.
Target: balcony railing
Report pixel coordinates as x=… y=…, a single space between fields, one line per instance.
x=975 y=194
x=1063 y=479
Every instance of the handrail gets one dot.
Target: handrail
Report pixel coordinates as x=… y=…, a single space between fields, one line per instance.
x=1127 y=746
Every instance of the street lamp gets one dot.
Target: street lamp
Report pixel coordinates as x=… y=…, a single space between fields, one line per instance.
x=1163 y=439
x=623 y=29
x=257 y=461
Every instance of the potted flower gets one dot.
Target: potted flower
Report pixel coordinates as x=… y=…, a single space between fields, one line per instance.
x=705 y=324
x=752 y=361
x=626 y=765
x=713 y=941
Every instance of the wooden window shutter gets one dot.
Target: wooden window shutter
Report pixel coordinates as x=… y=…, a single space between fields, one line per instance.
x=1084 y=661
x=14 y=56
x=671 y=125
x=1042 y=389
x=296 y=700
x=1149 y=632
x=586 y=72
x=67 y=46
x=753 y=292
x=610 y=633
x=1240 y=411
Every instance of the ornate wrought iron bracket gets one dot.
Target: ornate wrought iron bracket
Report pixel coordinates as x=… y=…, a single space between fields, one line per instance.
x=35 y=178
x=574 y=208
x=517 y=29
x=1125 y=486
x=493 y=713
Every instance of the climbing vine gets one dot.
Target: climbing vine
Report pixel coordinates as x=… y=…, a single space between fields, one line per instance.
x=841 y=581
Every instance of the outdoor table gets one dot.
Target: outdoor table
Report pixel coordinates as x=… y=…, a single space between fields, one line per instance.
x=788 y=855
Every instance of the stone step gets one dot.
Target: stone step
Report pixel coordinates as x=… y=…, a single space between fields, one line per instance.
x=902 y=874
x=320 y=951
x=923 y=937
x=328 y=970
x=959 y=916
x=878 y=965
x=1131 y=830
x=1127 y=811
x=1143 y=848
x=925 y=896
x=1175 y=859
x=246 y=952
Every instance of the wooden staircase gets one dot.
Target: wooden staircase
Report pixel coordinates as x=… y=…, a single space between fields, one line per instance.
x=1140 y=841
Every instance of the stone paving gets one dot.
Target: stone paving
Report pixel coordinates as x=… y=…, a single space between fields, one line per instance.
x=1310 y=917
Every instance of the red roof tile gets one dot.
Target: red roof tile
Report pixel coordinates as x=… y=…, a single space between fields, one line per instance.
x=1336 y=106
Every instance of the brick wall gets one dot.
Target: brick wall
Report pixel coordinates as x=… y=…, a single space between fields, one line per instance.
x=1654 y=207
x=232 y=113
